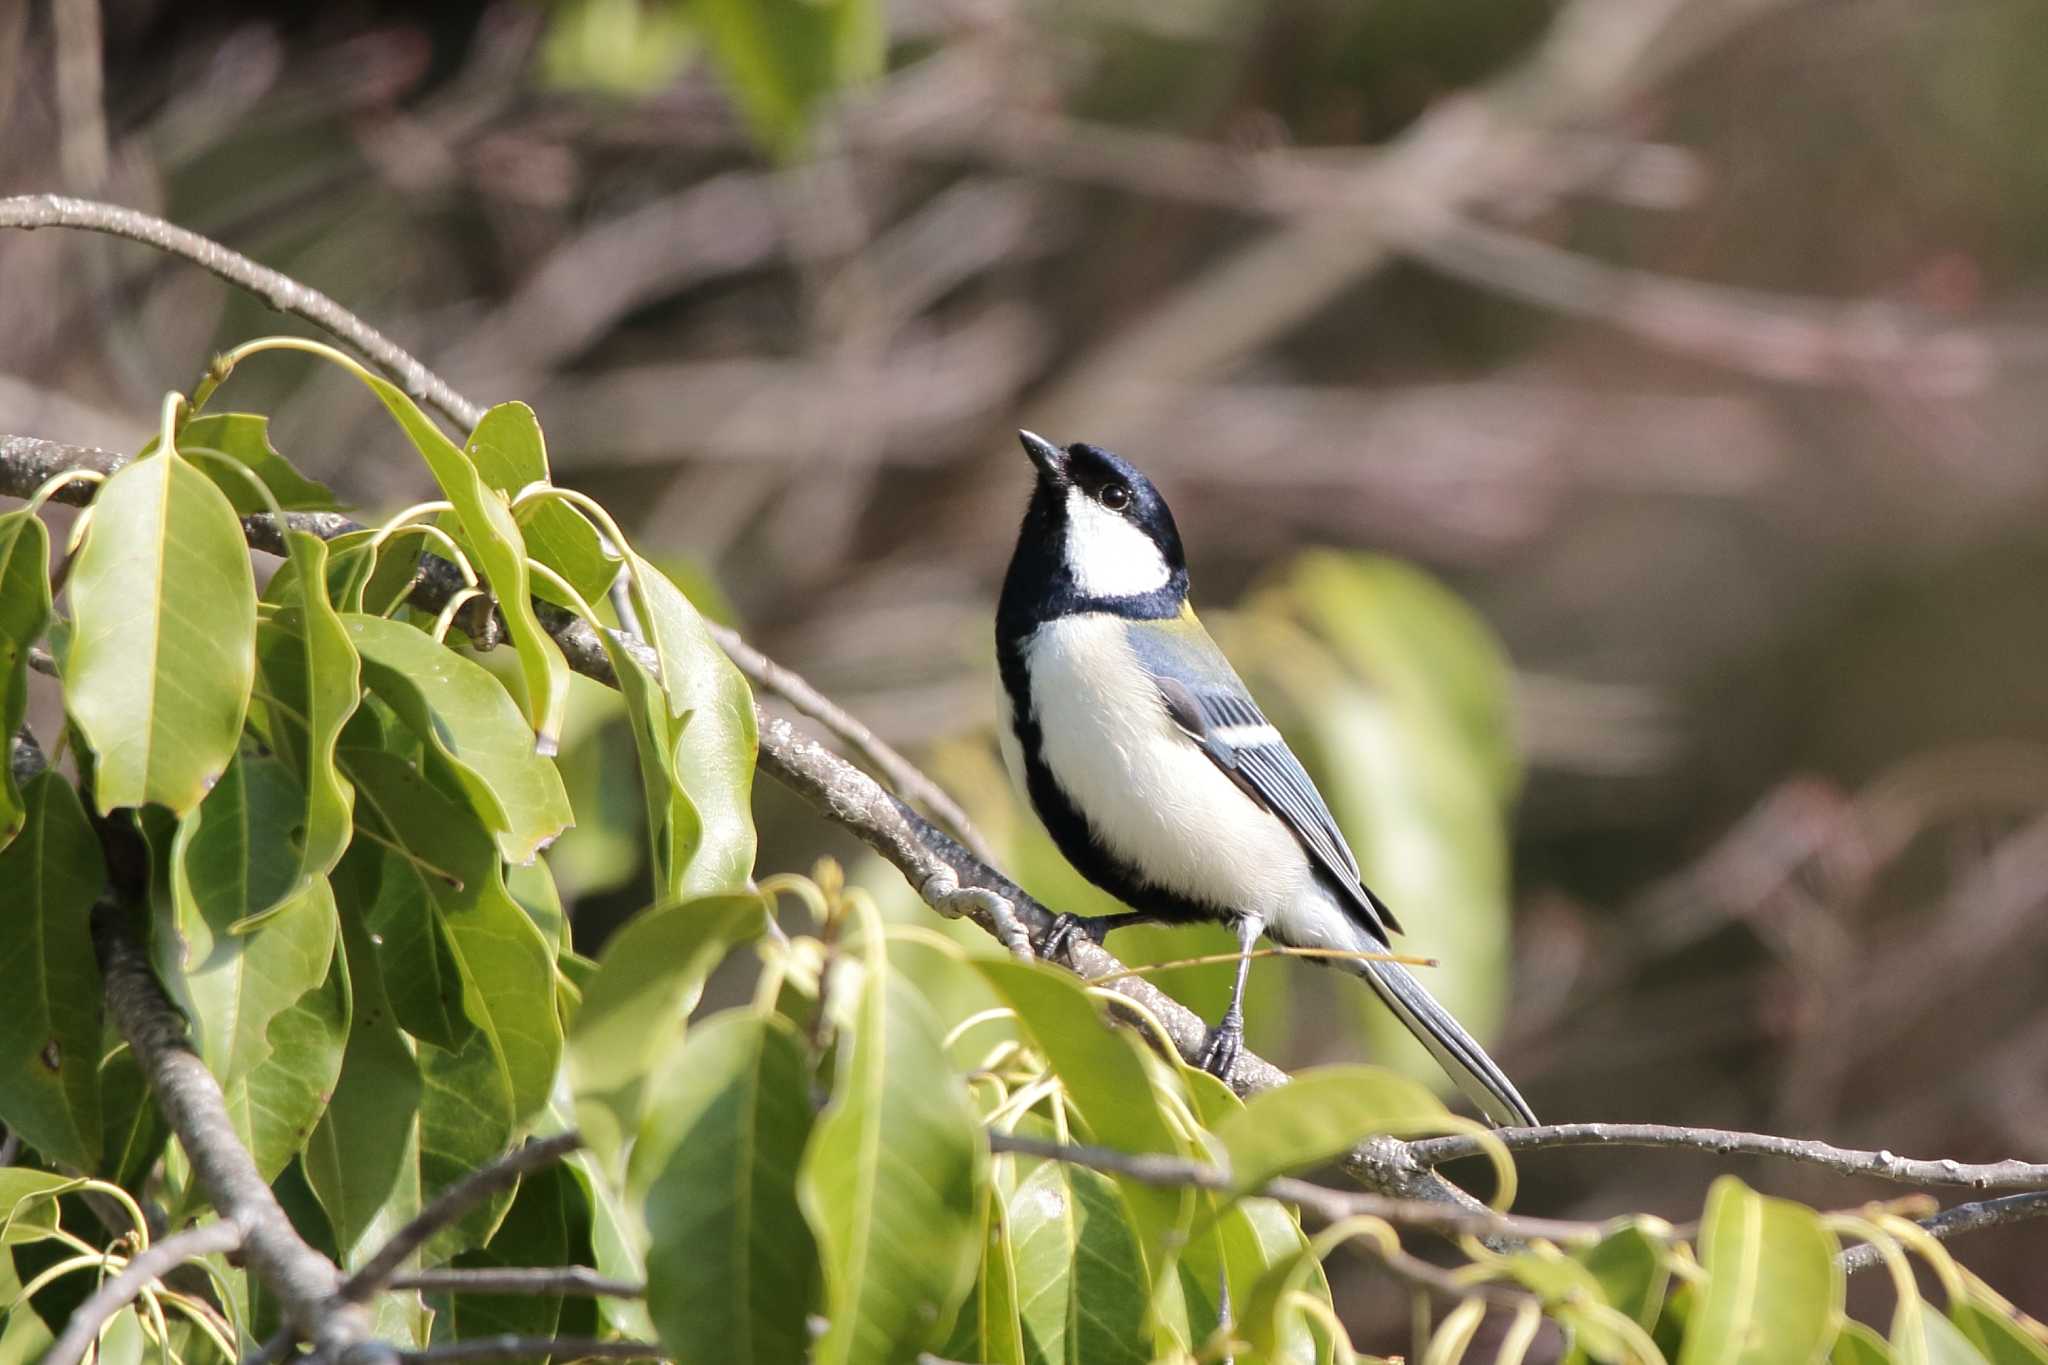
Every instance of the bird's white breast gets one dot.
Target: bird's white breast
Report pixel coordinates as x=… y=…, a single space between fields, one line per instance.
x=1150 y=796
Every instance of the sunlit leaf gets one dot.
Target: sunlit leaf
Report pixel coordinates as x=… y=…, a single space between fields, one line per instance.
x=163 y=648
x=510 y=453
x=28 y=1207
x=1947 y=1344
x=1633 y=1269
x=634 y=1009
x=24 y=615
x=469 y=721
x=50 y=1025
x=731 y=1262
x=1082 y=1285
x=1859 y=1345
x=1994 y=1333
x=1319 y=1115
x=244 y=437
x=277 y=1102
x=888 y=1181
x=1774 y=1287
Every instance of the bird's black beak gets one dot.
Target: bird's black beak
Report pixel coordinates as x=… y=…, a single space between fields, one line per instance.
x=1050 y=459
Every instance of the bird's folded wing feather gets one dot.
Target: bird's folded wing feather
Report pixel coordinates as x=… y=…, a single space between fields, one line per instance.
x=1205 y=698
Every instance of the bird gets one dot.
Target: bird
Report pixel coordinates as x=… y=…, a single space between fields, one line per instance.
x=1145 y=757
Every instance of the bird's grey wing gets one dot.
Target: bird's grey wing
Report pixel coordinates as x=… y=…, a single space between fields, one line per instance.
x=1224 y=722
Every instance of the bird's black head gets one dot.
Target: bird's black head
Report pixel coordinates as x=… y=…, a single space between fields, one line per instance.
x=1097 y=537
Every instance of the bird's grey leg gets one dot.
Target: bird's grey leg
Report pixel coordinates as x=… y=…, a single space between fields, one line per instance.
x=1226 y=1040
x=1061 y=936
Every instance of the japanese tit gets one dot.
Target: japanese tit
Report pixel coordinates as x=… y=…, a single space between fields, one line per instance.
x=1157 y=775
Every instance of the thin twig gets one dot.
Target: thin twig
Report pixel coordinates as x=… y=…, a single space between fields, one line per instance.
x=510 y=1347
x=148 y=1265
x=540 y=1279
x=449 y=1205
x=1986 y=1213
x=1996 y=1175
x=305 y=1282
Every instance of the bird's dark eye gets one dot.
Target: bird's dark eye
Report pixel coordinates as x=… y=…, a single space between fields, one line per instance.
x=1115 y=497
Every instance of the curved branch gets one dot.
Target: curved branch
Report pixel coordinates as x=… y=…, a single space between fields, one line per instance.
x=1985 y=1213
x=150 y=1264
x=1995 y=1175
x=579 y=1280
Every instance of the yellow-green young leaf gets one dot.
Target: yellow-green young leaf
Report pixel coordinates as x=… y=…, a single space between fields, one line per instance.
x=500 y=554
x=24 y=614
x=510 y=453
x=1632 y=1269
x=1082 y=1290
x=1993 y=1332
x=1946 y=1343
x=439 y=856
x=28 y=1204
x=471 y=723
x=1774 y=1287
x=889 y=1181
x=312 y=679
x=634 y=1009
x=232 y=858
x=163 y=643
x=244 y=437
x=1859 y=1345
x=783 y=58
x=276 y=1104
x=711 y=747
x=1322 y=1113
x=1112 y=1081
x=50 y=1027
x=730 y=1262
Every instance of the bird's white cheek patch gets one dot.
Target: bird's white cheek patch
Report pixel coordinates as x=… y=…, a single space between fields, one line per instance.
x=1108 y=556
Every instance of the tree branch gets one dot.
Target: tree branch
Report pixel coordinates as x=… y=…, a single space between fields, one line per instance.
x=150 y=1264
x=458 y=1199
x=1996 y=1175
x=510 y=1347
x=1986 y=1213
x=306 y=1283
x=544 y=1279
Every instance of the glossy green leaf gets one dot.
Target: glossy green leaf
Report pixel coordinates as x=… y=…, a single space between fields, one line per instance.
x=24 y=615
x=50 y=1026
x=2001 y=1340
x=617 y=1234
x=232 y=859
x=634 y=1009
x=1080 y=1270
x=437 y=854
x=1111 y=1080
x=510 y=453
x=28 y=1205
x=500 y=555
x=1774 y=1287
x=312 y=681
x=1632 y=1269
x=466 y=717
x=1859 y=1345
x=163 y=647
x=708 y=846
x=889 y=1178
x=783 y=58
x=244 y=437
x=533 y=886
x=731 y=1264
x=276 y=1103
x=1319 y=1115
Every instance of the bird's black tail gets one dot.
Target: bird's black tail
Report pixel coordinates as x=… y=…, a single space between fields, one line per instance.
x=1477 y=1074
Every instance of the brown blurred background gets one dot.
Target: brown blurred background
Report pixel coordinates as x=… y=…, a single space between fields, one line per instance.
x=1699 y=344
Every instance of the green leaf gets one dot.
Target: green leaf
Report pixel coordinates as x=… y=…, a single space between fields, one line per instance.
x=709 y=846
x=163 y=647
x=231 y=860
x=50 y=1027
x=276 y=1104
x=1993 y=1332
x=468 y=720
x=1859 y=1345
x=1633 y=1270
x=634 y=1009
x=439 y=857
x=24 y=615
x=245 y=438
x=731 y=1266
x=510 y=453
x=1947 y=1344
x=500 y=555
x=783 y=58
x=536 y=1231
x=1774 y=1287
x=988 y=1328
x=1080 y=1271
x=28 y=1204
x=889 y=1179
x=132 y=1129
x=1319 y=1115
x=312 y=679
